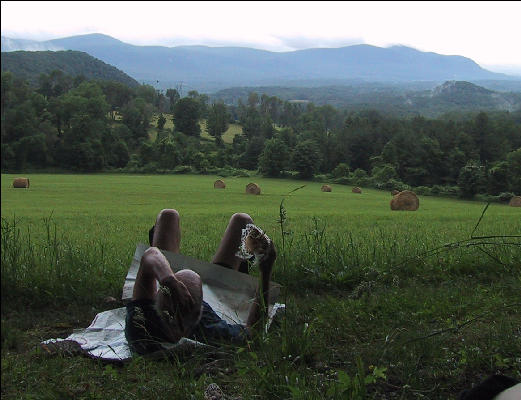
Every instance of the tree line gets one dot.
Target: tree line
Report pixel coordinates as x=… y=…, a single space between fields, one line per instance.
x=83 y=125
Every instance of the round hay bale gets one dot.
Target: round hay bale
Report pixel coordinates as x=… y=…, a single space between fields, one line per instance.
x=356 y=189
x=219 y=184
x=21 y=183
x=253 y=188
x=326 y=188
x=515 y=201
x=394 y=192
x=405 y=201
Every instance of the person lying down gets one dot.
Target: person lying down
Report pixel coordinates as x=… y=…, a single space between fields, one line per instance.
x=167 y=306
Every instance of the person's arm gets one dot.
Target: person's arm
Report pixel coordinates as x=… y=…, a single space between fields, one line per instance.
x=259 y=309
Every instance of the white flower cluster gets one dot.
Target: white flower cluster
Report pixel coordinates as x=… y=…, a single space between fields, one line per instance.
x=253 y=232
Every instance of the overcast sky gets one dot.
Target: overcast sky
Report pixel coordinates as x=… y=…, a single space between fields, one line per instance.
x=487 y=32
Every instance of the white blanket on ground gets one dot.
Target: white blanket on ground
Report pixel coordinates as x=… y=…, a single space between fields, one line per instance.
x=228 y=292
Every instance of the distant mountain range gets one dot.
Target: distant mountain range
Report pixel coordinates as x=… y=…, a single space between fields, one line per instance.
x=30 y=64
x=208 y=69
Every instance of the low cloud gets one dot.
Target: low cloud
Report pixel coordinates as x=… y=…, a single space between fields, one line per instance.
x=270 y=43
x=306 y=42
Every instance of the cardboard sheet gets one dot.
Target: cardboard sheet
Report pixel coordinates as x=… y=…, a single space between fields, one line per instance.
x=230 y=294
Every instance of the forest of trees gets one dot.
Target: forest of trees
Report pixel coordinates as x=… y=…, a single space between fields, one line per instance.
x=29 y=65
x=73 y=124
x=401 y=100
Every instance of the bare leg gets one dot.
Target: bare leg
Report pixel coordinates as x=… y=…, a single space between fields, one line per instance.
x=181 y=298
x=167 y=233
x=153 y=265
x=167 y=236
x=230 y=242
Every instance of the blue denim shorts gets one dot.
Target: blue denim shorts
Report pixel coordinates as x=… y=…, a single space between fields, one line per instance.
x=144 y=328
x=213 y=330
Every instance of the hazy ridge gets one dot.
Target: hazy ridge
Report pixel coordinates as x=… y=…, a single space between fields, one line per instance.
x=209 y=69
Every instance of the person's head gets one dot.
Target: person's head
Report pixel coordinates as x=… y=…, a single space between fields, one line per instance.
x=182 y=318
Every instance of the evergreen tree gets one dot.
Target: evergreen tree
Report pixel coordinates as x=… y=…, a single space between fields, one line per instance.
x=186 y=117
x=173 y=97
x=249 y=159
x=217 y=122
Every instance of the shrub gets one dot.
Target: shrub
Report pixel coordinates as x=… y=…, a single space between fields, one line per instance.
x=344 y=180
x=359 y=177
x=150 y=168
x=290 y=174
x=486 y=198
x=497 y=180
x=133 y=163
x=395 y=184
x=423 y=190
x=242 y=173
x=449 y=191
x=321 y=178
x=383 y=173
x=204 y=166
x=471 y=179
x=505 y=197
x=341 y=170
x=436 y=189
x=229 y=171
x=182 y=169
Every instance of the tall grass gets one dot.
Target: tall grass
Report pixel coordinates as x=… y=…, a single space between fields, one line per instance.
x=53 y=269
x=379 y=304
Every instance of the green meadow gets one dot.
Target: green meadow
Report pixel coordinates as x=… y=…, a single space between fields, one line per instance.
x=380 y=304
x=231 y=132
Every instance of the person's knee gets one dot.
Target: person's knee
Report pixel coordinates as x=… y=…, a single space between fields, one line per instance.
x=150 y=256
x=241 y=219
x=167 y=216
x=192 y=281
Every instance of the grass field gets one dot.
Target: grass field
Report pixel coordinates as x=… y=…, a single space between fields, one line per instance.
x=371 y=312
x=233 y=129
